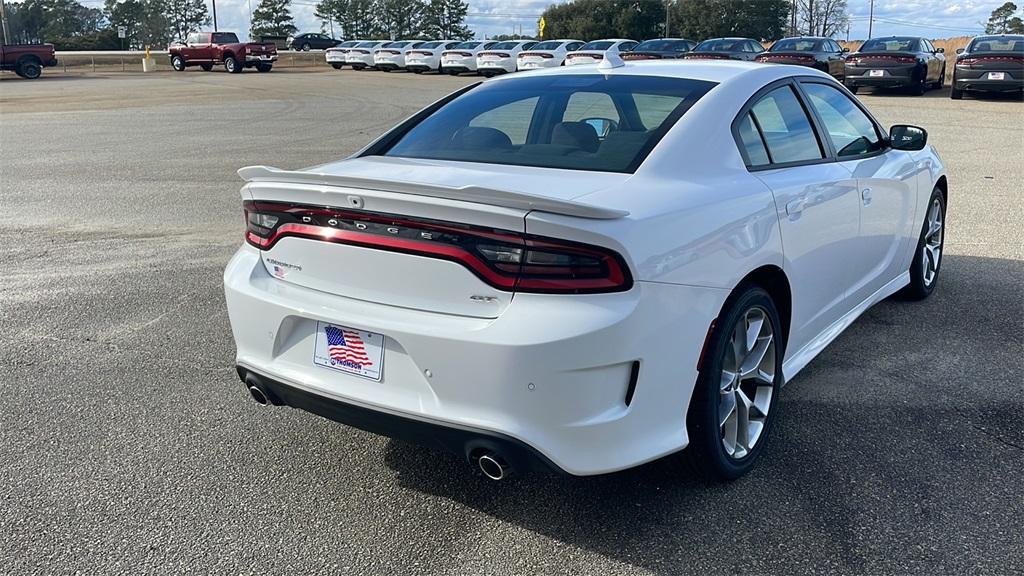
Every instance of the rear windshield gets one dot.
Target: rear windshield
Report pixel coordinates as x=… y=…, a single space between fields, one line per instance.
x=430 y=44
x=717 y=46
x=662 y=46
x=467 y=45
x=504 y=46
x=367 y=44
x=578 y=122
x=890 y=45
x=549 y=45
x=997 y=44
x=794 y=45
x=348 y=44
x=597 y=45
x=396 y=44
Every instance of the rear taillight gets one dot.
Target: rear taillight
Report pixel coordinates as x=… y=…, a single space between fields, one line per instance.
x=506 y=260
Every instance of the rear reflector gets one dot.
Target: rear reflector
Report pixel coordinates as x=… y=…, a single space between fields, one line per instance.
x=506 y=260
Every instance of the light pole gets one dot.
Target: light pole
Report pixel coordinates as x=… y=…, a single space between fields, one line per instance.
x=871 y=18
x=214 y=2
x=3 y=21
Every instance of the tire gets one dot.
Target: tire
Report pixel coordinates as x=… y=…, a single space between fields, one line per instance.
x=263 y=67
x=206 y=67
x=955 y=93
x=178 y=63
x=853 y=89
x=924 y=268
x=753 y=397
x=336 y=66
x=30 y=69
x=941 y=81
x=232 y=65
x=921 y=87
x=305 y=47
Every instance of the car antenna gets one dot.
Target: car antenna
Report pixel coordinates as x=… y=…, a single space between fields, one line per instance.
x=611 y=60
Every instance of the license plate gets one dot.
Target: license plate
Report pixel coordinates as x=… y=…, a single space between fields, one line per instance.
x=490 y=58
x=997 y=75
x=451 y=63
x=349 y=350
x=876 y=73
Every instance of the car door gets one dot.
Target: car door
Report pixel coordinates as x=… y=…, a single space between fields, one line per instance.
x=934 y=66
x=886 y=184
x=836 y=61
x=817 y=202
x=199 y=47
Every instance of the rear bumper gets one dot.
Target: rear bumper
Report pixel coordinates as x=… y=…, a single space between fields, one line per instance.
x=498 y=66
x=893 y=77
x=982 y=84
x=552 y=372
x=463 y=67
x=388 y=65
x=464 y=442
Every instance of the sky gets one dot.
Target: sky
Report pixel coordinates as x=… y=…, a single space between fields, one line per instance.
x=931 y=18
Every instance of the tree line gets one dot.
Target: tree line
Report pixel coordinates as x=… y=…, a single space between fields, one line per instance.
x=397 y=19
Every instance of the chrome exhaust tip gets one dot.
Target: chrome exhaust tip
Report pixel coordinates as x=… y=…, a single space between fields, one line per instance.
x=493 y=467
x=258 y=395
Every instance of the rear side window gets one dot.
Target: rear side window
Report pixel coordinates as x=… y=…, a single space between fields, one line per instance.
x=785 y=127
x=750 y=137
x=852 y=133
x=580 y=122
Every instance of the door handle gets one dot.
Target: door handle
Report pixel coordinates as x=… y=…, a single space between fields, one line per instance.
x=865 y=195
x=794 y=207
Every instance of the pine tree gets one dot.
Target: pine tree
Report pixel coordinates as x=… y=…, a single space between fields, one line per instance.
x=272 y=18
x=446 y=19
x=185 y=16
x=1004 y=21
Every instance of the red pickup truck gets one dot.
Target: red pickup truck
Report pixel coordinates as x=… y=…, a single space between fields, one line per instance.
x=27 y=60
x=204 y=49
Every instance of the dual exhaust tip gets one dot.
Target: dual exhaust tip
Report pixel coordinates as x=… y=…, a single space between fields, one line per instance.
x=491 y=464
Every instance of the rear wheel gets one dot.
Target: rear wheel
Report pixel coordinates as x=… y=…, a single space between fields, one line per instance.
x=852 y=89
x=305 y=47
x=232 y=65
x=731 y=412
x=30 y=69
x=336 y=66
x=921 y=86
x=955 y=93
x=178 y=63
x=206 y=67
x=942 y=79
x=924 y=269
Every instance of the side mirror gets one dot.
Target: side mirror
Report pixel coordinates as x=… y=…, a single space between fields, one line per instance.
x=906 y=137
x=959 y=50
x=940 y=50
x=845 y=50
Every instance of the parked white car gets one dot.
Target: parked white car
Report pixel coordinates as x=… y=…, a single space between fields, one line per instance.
x=360 y=57
x=336 y=56
x=462 y=57
x=392 y=56
x=585 y=268
x=594 y=52
x=501 y=57
x=547 y=54
x=427 y=56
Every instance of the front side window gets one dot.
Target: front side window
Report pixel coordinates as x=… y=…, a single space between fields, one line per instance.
x=193 y=39
x=564 y=121
x=851 y=131
x=786 y=129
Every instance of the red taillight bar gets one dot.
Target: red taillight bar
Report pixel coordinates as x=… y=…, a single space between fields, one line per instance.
x=591 y=269
x=541 y=54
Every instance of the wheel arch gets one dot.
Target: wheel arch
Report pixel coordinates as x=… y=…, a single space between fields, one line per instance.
x=29 y=58
x=774 y=281
x=943 y=185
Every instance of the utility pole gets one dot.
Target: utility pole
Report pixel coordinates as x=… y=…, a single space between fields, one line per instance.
x=3 y=20
x=214 y=2
x=668 y=17
x=871 y=18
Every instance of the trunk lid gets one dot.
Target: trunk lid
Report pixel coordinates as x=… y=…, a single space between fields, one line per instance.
x=405 y=240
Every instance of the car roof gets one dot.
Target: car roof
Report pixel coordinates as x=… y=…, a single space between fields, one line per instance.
x=718 y=71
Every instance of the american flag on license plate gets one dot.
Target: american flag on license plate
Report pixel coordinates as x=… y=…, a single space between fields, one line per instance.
x=345 y=346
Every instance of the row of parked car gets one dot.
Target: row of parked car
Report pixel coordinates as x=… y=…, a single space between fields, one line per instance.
x=989 y=63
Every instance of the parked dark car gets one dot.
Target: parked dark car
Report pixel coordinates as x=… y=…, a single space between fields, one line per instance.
x=726 y=49
x=312 y=40
x=825 y=54
x=659 y=48
x=896 y=62
x=989 y=64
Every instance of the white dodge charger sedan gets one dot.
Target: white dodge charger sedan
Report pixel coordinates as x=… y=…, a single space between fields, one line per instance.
x=584 y=269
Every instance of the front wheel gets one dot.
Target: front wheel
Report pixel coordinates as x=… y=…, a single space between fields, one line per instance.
x=336 y=66
x=232 y=65
x=732 y=408
x=178 y=63
x=924 y=269
x=942 y=79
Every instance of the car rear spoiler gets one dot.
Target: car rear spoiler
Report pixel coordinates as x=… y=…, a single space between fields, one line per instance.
x=478 y=194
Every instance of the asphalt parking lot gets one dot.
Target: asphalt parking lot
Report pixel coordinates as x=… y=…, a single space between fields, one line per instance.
x=127 y=444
